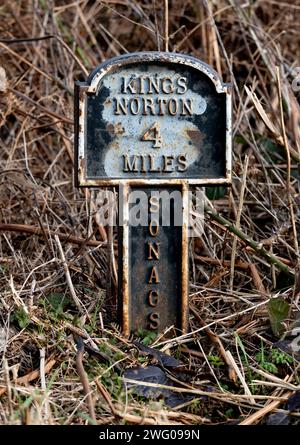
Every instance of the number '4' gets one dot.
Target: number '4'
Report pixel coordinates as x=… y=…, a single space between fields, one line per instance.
x=153 y=134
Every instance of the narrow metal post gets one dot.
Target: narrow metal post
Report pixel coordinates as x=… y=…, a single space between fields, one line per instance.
x=123 y=258
x=185 y=258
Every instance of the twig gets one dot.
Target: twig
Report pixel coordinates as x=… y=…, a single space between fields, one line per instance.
x=83 y=377
x=43 y=381
x=257 y=281
x=273 y=404
x=166 y=13
x=68 y=275
x=217 y=341
x=8 y=385
x=263 y=411
x=26 y=40
x=41 y=107
x=181 y=339
x=31 y=376
x=250 y=242
x=41 y=231
x=269 y=124
x=42 y=369
x=240 y=376
x=238 y=221
x=224 y=396
x=109 y=255
x=288 y=160
x=47 y=76
x=218 y=262
x=106 y=396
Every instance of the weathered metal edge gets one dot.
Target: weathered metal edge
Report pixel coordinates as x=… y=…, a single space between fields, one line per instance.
x=154 y=56
x=175 y=181
x=228 y=149
x=76 y=134
x=79 y=132
x=185 y=259
x=124 y=298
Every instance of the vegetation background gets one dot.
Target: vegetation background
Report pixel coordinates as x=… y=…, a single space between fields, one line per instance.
x=239 y=363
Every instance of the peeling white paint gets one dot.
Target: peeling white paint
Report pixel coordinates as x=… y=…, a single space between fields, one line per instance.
x=174 y=129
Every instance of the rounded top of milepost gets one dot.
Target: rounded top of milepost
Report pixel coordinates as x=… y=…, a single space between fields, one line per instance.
x=152 y=57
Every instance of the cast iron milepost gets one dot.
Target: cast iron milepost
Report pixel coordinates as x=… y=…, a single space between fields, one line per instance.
x=153 y=124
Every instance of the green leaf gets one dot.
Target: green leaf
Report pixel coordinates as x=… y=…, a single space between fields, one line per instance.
x=239 y=139
x=214 y=360
x=284 y=281
x=214 y=193
x=278 y=310
x=59 y=302
x=21 y=317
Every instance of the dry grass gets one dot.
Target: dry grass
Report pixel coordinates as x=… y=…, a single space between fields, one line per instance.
x=44 y=46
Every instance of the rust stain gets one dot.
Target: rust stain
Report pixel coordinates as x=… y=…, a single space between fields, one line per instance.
x=81 y=165
x=115 y=130
x=91 y=182
x=184 y=263
x=196 y=136
x=124 y=286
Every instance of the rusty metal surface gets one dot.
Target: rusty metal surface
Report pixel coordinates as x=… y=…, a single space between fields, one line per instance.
x=161 y=117
x=184 y=278
x=167 y=265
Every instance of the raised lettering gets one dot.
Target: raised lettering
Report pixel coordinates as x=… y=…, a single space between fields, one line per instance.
x=127 y=85
x=153 y=227
x=153 y=248
x=153 y=83
x=154 y=320
x=173 y=107
x=121 y=106
x=153 y=134
x=130 y=165
x=187 y=107
x=153 y=298
x=158 y=106
x=136 y=108
x=183 y=164
x=148 y=104
x=168 y=163
x=143 y=164
x=161 y=101
x=142 y=85
x=181 y=85
x=167 y=85
x=153 y=276
x=152 y=168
